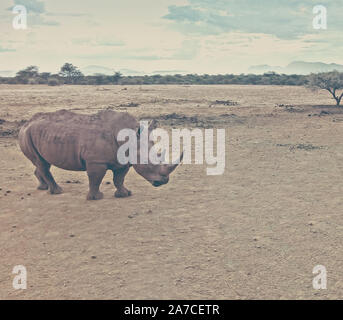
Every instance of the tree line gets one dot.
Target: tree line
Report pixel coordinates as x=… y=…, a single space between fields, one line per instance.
x=70 y=74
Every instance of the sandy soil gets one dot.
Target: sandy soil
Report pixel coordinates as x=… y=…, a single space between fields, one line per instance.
x=254 y=232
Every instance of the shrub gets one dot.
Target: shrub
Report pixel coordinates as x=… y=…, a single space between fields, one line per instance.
x=53 y=82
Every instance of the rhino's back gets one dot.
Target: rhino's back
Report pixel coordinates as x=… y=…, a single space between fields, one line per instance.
x=103 y=119
x=67 y=139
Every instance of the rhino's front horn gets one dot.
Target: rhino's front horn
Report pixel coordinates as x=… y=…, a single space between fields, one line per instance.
x=172 y=167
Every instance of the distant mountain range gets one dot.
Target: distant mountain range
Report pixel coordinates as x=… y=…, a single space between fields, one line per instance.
x=94 y=69
x=7 y=73
x=298 y=67
x=91 y=70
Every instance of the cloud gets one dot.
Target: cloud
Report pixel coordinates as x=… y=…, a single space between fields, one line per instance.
x=143 y=57
x=110 y=43
x=31 y=5
x=39 y=20
x=65 y=14
x=6 y=49
x=184 y=14
x=98 y=42
x=286 y=19
x=188 y=51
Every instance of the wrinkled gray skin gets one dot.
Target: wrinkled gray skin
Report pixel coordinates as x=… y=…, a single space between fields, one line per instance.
x=89 y=143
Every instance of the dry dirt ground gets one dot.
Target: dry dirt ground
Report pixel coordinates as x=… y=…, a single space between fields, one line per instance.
x=255 y=232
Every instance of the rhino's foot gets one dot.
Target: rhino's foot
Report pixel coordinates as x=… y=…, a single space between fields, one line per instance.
x=95 y=196
x=56 y=190
x=122 y=193
x=43 y=187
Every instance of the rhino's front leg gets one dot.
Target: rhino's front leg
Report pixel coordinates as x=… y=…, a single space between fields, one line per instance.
x=118 y=180
x=96 y=173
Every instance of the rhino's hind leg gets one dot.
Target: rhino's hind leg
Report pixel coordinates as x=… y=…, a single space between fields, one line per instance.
x=118 y=180
x=42 y=184
x=96 y=173
x=43 y=171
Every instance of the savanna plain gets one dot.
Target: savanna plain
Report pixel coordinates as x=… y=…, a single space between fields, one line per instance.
x=254 y=232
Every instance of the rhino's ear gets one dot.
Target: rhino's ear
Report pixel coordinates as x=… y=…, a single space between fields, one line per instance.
x=152 y=125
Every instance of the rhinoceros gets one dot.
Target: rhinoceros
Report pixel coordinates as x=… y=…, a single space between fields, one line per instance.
x=80 y=142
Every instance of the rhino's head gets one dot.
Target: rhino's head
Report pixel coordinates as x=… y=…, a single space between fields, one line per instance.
x=156 y=174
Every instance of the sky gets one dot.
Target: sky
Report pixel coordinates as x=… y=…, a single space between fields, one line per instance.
x=175 y=36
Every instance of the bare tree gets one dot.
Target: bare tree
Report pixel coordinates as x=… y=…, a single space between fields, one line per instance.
x=330 y=81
